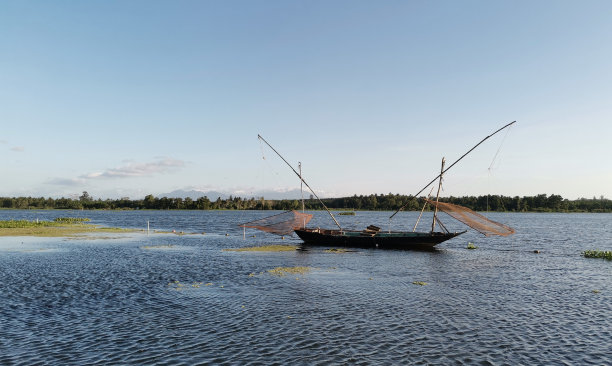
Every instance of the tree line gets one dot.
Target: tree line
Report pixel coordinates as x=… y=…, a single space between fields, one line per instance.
x=373 y=202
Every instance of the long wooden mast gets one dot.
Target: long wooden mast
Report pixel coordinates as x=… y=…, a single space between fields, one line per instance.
x=435 y=215
x=303 y=181
x=445 y=170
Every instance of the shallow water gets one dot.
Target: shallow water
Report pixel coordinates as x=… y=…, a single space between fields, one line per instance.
x=171 y=299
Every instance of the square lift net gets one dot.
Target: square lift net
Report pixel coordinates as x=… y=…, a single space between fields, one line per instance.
x=280 y=224
x=473 y=219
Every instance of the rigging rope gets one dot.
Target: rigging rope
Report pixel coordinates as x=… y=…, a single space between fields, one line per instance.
x=499 y=148
x=490 y=168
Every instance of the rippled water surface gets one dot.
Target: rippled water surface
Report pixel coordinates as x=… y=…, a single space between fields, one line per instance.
x=180 y=299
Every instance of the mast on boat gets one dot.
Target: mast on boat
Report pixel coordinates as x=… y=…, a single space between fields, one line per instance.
x=301 y=185
x=445 y=170
x=302 y=180
x=435 y=215
x=302 y=192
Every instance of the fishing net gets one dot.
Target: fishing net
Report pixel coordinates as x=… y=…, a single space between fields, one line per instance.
x=473 y=219
x=280 y=224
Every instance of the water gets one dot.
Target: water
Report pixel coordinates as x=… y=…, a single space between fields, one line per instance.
x=115 y=300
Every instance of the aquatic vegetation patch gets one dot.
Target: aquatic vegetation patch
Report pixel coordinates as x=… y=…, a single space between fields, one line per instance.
x=346 y=213
x=60 y=231
x=71 y=220
x=51 y=228
x=177 y=285
x=265 y=248
x=471 y=246
x=419 y=283
x=21 y=224
x=603 y=254
x=283 y=271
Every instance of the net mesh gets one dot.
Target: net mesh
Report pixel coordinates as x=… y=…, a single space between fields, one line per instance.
x=473 y=219
x=280 y=224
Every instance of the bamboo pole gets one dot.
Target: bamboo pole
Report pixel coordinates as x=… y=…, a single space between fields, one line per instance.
x=302 y=194
x=301 y=185
x=435 y=215
x=302 y=179
x=453 y=164
x=423 y=209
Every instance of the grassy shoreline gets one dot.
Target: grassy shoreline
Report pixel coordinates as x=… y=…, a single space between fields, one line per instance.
x=61 y=227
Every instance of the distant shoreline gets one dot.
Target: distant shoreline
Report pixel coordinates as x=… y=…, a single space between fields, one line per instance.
x=373 y=202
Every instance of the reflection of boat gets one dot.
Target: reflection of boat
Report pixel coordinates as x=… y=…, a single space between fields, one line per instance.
x=372 y=236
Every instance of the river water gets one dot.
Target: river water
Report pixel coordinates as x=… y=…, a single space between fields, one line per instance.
x=180 y=299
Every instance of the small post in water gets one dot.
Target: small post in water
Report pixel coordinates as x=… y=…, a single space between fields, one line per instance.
x=147 y=227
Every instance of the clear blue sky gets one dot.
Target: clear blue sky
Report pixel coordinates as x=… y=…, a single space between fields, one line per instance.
x=127 y=98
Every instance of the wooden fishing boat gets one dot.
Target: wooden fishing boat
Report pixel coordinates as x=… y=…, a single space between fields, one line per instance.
x=380 y=240
x=372 y=236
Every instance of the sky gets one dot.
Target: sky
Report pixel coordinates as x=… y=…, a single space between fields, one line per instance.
x=129 y=98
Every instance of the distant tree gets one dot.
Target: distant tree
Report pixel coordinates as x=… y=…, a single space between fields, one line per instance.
x=85 y=197
x=149 y=202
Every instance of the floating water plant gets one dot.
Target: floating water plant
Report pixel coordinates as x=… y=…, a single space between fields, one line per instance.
x=177 y=285
x=265 y=248
x=420 y=283
x=471 y=246
x=346 y=213
x=282 y=271
x=603 y=254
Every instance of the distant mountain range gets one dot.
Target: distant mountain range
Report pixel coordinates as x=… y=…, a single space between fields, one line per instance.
x=213 y=195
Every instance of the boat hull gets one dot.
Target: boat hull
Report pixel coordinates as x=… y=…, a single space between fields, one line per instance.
x=382 y=240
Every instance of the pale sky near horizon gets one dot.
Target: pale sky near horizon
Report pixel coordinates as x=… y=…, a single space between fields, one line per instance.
x=128 y=98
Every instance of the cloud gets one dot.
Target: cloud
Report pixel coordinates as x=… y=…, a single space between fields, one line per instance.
x=131 y=170
x=18 y=149
x=67 y=181
x=3 y=142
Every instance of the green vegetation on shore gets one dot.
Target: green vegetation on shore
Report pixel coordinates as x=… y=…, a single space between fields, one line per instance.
x=373 y=202
x=57 y=228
